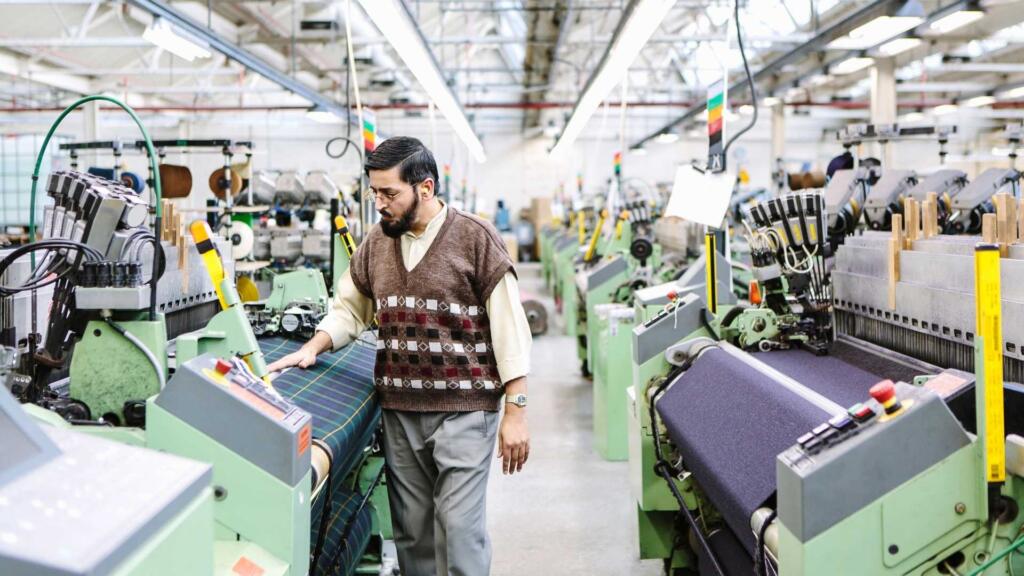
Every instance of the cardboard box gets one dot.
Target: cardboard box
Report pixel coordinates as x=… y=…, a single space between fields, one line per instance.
x=540 y=212
x=512 y=245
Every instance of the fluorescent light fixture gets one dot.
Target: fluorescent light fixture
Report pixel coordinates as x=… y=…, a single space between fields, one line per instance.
x=638 y=151
x=640 y=20
x=1012 y=93
x=322 y=116
x=667 y=138
x=163 y=35
x=746 y=110
x=955 y=20
x=881 y=29
x=997 y=151
x=944 y=109
x=898 y=46
x=394 y=22
x=770 y=101
x=979 y=101
x=851 y=65
x=912 y=117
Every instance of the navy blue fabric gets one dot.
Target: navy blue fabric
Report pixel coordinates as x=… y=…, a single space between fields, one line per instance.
x=338 y=392
x=729 y=422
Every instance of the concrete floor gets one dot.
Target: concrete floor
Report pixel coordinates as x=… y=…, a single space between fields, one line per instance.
x=569 y=512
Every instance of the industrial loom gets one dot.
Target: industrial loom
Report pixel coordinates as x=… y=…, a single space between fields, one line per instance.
x=889 y=445
x=296 y=473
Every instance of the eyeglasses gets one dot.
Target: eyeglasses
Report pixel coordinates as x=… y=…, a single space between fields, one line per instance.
x=377 y=195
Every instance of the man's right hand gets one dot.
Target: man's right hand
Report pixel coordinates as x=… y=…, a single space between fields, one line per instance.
x=303 y=358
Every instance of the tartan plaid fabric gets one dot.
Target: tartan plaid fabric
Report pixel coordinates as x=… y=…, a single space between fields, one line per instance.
x=339 y=393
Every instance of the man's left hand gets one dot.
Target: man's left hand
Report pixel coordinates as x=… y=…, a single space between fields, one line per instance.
x=513 y=440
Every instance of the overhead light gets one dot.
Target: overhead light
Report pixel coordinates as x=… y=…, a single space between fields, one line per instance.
x=997 y=151
x=945 y=109
x=912 y=117
x=898 y=46
x=667 y=138
x=163 y=35
x=318 y=114
x=394 y=22
x=638 y=151
x=1012 y=93
x=629 y=38
x=770 y=101
x=746 y=110
x=955 y=20
x=883 y=28
x=979 y=101
x=851 y=65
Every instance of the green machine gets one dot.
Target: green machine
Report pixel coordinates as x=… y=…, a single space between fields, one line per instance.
x=132 y=512
x=613 y=352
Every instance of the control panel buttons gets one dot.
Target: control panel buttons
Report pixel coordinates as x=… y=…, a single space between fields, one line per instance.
x=842 y=423
x=885 y=394
x=222 y=367
x=861 y=413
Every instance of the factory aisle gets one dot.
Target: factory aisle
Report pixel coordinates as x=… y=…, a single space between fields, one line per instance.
x=570 y=512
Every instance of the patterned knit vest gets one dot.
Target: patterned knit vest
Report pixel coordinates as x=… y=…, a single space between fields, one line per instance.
x=434 y=351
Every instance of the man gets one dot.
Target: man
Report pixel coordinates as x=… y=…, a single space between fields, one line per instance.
x=452 y=339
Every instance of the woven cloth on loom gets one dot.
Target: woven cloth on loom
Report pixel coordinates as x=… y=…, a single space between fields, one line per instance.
x=338 y=392
x=844 y=376
x=729 y=421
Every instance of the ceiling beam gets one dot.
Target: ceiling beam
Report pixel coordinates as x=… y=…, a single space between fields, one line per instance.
x=240 y=55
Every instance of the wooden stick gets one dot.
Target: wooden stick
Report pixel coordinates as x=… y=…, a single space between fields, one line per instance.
x=989 y=229
x=894 y=269
x=1020 y=221
x=932 y=217
x=912 y=216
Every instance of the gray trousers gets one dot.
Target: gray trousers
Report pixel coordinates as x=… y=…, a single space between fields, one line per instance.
x=438 y=463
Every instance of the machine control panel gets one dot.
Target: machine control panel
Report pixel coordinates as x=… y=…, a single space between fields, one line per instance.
x=73 y=505
x=224 y=400
x=902 y=431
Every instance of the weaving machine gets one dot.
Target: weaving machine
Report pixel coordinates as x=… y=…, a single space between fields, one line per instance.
x=808 y=460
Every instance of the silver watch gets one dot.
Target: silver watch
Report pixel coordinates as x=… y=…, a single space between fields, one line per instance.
x=517 y=399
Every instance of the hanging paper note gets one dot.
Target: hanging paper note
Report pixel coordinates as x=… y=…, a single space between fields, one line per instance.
x=701 y=198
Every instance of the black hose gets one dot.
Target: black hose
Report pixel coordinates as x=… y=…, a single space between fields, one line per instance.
x=90 y=254
x=750 y=81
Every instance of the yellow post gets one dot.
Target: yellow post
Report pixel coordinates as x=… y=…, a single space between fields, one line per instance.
x=346 y=237
x=582 y=225
x=211 y=259
x=711 y=271
x=592 y=249
x=988 y=354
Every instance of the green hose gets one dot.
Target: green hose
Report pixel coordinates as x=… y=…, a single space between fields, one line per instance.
x=997 y=557
x=152 y=166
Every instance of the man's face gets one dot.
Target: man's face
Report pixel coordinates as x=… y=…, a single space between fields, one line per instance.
x=397 y=201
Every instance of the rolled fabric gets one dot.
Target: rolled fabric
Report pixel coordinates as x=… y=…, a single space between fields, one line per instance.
x=175 y=181
x=217 y=183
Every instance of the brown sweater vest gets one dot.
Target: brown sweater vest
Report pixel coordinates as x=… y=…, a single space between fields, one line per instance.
x=434 y=350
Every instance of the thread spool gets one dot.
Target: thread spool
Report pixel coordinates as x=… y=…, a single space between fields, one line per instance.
x=175 y=181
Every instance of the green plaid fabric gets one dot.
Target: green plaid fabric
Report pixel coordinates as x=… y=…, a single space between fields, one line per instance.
x=338 y=392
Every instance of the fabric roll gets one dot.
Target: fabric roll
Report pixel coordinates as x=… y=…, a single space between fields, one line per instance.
x=729 y=421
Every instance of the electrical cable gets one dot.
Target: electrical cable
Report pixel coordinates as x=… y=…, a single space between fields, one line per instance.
x=750 y=81
x=90 y=253
x=142 y=348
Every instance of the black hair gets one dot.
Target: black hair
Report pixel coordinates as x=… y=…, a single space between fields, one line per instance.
x=415 y=161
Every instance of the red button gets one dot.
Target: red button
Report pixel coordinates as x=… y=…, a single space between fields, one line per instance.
x=883 y=391
x=223 y=367
x=672 y=296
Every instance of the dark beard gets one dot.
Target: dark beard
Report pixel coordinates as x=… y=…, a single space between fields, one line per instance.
x=404 y=224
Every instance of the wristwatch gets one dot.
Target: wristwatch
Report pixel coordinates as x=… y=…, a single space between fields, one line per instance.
x=517 y=399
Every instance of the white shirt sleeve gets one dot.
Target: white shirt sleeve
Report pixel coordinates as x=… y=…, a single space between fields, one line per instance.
x=510 y=331
x=349 y=314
